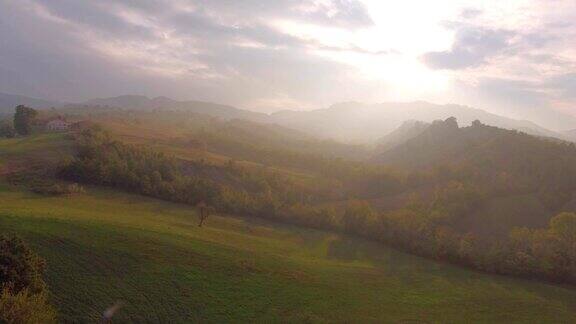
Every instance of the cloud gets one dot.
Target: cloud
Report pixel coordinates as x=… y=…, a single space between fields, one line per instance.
x=346 y=13
x=472 y=47
x=470 y=13
x=564 y=85
x=218 y=50
x=301 y=53
x=542 y=101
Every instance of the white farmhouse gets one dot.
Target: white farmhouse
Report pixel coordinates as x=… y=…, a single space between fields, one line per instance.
x=57 y=125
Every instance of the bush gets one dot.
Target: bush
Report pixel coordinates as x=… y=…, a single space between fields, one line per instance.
x=58 y=189
x=43 y=182
x=24 y=307
x=20 y=267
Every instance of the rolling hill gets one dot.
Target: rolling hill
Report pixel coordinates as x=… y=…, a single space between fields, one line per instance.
x=9 y=101
x=357 y=122
x=526 y=179
x=134 y=102
x=406 y=131
x=349 y=122
x=105 y=246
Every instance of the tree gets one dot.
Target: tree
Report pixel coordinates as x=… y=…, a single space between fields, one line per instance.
x=20 y=267
x=563 y=229
x=24 y=307
x=23 y=118
x=563 y=226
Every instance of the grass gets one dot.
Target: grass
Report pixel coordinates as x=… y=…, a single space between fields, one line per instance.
x=38 y=149
x=44 y=142
x=106 y=246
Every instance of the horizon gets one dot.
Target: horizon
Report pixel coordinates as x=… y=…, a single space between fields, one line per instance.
x=330 y=106
x=514 y=59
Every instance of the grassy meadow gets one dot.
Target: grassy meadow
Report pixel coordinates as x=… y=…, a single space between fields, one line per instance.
x=103 y=247
x=38 y=149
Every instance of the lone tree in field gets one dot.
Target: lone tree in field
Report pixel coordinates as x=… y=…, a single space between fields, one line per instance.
x=204 y=211
x=23 y=119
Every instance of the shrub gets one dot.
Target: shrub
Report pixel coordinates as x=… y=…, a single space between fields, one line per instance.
x=43 y=182
x=24 y=307
x=20 y=267
x=58 y=189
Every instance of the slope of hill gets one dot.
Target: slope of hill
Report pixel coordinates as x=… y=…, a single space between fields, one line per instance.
x=103 y=247
x=570 y=135
x=525 y=180
x=349 y=122
x=151 y=248
x=9 y=101
x=406 y=131
x=134 y=102
x=444 y=142
x=358 y=122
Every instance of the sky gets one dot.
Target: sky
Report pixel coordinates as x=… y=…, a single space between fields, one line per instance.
x=516 y=58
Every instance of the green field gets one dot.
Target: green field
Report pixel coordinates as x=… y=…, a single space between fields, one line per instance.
x=104 y=246
x=38 y=149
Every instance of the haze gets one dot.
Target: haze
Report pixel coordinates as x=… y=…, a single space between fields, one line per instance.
x=287 y=161
x=513 y=58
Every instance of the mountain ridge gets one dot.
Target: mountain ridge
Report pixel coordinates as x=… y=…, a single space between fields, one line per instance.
x=350 y=122
x=361 y=122
x=9 y=101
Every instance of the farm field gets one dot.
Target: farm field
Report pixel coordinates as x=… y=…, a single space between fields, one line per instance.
x=104 y=246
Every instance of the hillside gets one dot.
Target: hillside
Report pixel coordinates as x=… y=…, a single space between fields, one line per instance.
x=349 y=122
x=146 y=249
x=104 y=246
x=143 y=103
x=525 y=180
x=9 y=101
x=357 y=122
x=570 y=135
x=444 y=142
x=406 y=131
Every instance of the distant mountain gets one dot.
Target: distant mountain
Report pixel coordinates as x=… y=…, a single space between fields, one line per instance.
x=231 y=136
x=441 y=142
x=357 y=122
x=445 y=143
x=408 y=130
x=9 y=101
x=126 y=101
x=134 y=102
x=350 y=122
x=570 y=135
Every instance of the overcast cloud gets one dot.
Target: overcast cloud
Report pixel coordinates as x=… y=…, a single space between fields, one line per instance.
x=516 y=59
